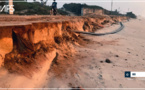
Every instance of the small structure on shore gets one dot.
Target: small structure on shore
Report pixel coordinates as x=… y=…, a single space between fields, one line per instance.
x=87 y=11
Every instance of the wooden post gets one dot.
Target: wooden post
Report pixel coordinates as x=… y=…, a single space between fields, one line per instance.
x=11 y=7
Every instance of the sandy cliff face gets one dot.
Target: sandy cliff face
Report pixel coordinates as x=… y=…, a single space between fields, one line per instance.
x=22 y=43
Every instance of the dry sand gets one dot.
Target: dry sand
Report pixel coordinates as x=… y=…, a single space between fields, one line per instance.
x=125 y=50
x=9 y=80
x=88 y=68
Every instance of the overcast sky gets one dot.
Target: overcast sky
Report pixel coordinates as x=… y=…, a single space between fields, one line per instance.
x=137 y=6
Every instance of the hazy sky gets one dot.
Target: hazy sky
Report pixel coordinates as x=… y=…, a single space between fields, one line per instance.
x=137 y=6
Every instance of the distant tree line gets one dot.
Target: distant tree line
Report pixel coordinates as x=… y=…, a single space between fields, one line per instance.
x=34 y=8
x=37 y=8
x=131 y=14
x=76 y=9
x=73 y=7
x=26 y=8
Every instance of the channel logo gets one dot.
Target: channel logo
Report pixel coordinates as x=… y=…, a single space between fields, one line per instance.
x=129 y=74
x=7 y=8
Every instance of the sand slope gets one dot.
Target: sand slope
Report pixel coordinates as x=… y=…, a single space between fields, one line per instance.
x=125 y=50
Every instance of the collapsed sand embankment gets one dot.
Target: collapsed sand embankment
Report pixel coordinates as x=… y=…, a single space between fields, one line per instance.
x=24 y=39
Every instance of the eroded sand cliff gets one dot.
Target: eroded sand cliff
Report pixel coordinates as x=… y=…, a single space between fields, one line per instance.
x=28 y=42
